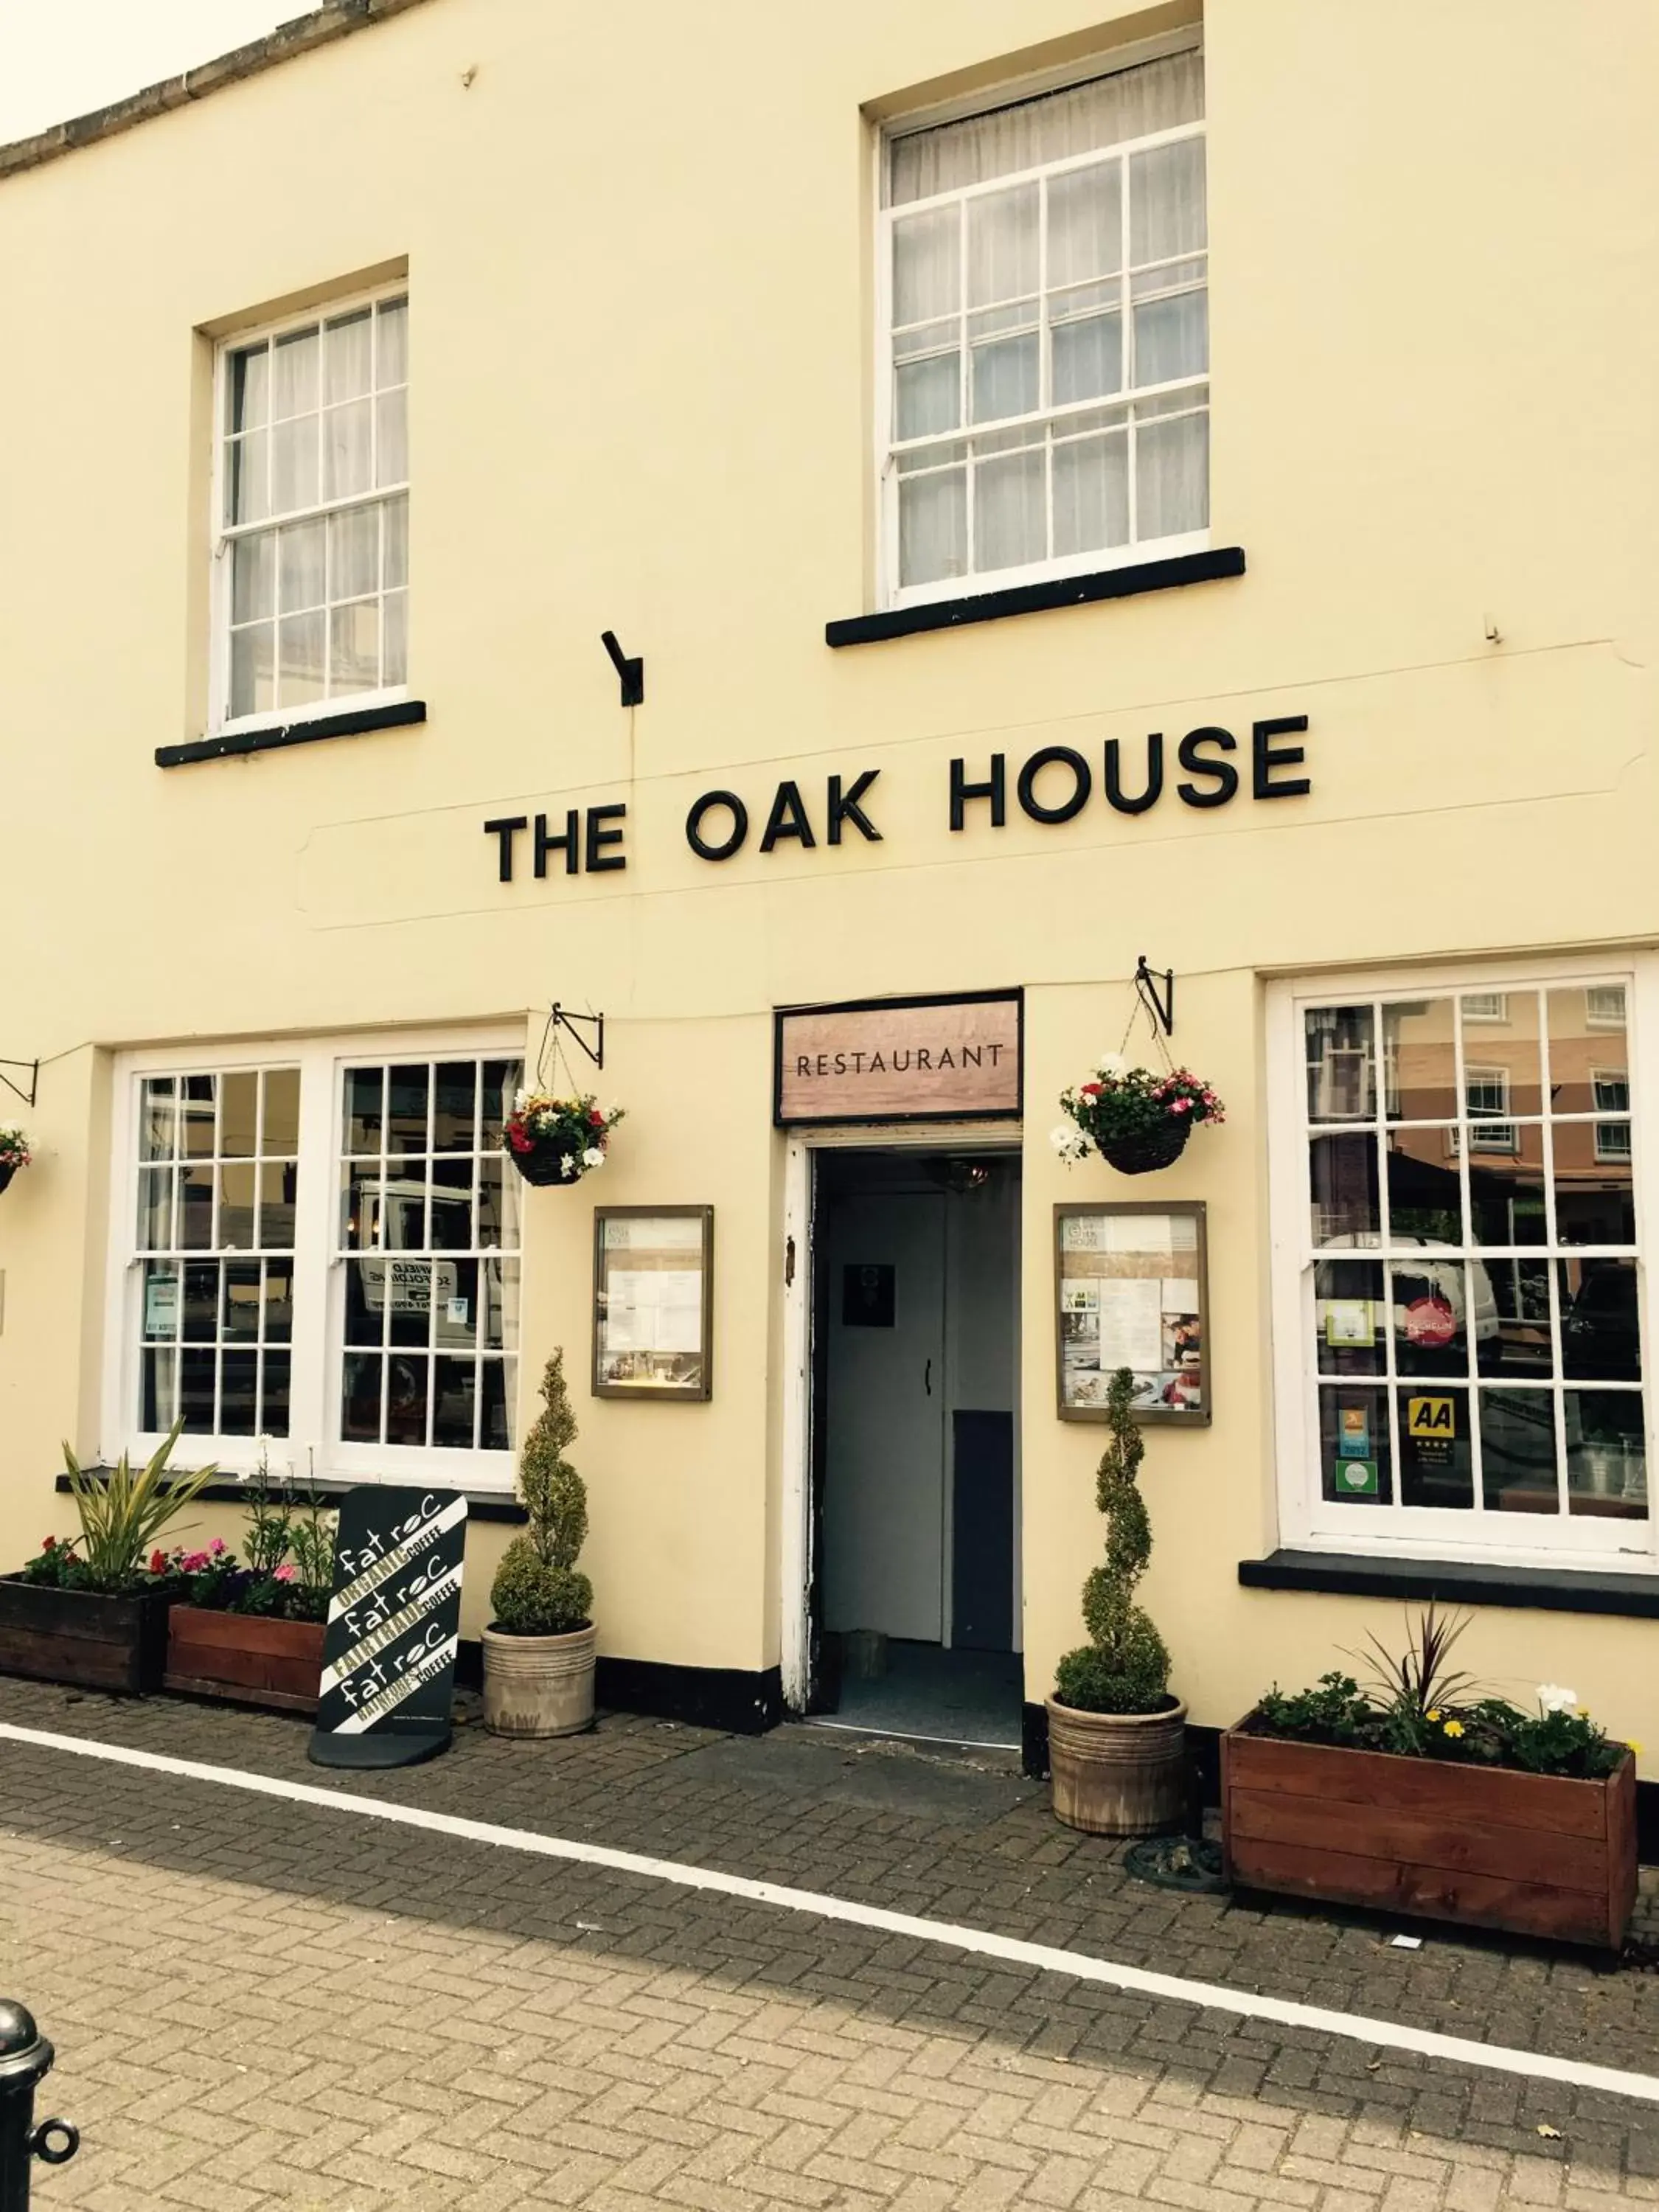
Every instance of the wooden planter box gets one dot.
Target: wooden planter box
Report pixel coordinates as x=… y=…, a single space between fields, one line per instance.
x=1534 y=1854
x=82 y=1636
x=246 y=1659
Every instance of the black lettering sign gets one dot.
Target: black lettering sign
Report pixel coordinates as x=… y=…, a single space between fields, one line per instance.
x=847 y=809
x=1221 y=773
x=394 y=1622
x=707 y=849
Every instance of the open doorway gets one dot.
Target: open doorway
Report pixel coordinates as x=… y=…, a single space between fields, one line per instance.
x=915 y=1445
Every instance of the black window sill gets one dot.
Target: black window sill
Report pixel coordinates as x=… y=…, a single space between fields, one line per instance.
x=1538 y=1589
x=481 y=1504
x=350 y=723
x=1036 y=599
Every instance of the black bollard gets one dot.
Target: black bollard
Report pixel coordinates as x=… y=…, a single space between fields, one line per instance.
x=25 y=2057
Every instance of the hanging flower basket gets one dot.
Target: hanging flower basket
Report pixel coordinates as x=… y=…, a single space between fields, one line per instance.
x=13 y=1154
x=1135 y=1119
x=557 y=1141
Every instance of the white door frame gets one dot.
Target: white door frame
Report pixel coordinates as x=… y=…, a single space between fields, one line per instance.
x=796 y=1515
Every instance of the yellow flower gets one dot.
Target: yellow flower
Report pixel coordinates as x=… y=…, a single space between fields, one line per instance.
x=1434 y=1712
x=1454 y=1728
x=1636 y=1748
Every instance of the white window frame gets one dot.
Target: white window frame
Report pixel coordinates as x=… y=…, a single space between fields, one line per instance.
x=318 y=1346
x=220 y=720
x=889 y=592
x=1307 y=1520
x=1493 y=1135
x=1612 y=1150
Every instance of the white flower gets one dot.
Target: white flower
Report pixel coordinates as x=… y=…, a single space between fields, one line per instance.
x=592 y=1157
x=1554 y=1699
x=520 y=1100
x=567 y=1166
x=1113 y=1063
x=1069 y=1142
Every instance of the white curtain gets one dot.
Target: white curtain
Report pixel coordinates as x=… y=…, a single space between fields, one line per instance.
x=1131 y=103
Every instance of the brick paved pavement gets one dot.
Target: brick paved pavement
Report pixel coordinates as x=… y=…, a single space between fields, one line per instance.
x=260 y=2004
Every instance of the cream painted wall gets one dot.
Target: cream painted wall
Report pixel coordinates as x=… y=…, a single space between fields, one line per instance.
x=640 y=270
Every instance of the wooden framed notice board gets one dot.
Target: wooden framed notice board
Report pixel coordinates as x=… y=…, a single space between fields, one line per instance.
x=1131 y=1290
x=653 y=1300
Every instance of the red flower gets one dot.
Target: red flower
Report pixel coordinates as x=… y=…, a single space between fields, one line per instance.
x=519 y=1138
x=49 y=1544
x=1089 y=1090
x=596 y=1118
x=158 y=1561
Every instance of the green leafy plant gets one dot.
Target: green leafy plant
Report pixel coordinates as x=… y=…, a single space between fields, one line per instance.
x=14 y=1148
x=122 y=1515
x=1125 y=1666
x=538 y=1590
x=1421 y=1709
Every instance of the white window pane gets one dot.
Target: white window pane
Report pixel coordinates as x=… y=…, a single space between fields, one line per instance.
x=928 y=395
x=1010 y=524
x=1172 y=477
x=252 y=578
x=1086 y=360
x=927 y=266
x=1085 y=224
x=392 y=459
x=299 y=650
x=1130 y=103
x=293 y=464
x=1005 y=378
x=397 y=541
x=394 y=638
x=391 y=343
x=300 y=567
x=354 y=553
x=1172 y=338
x=348 y=357
x=932 y=526
x=158 y=1120
x=1002 y=245
x=1166 y=202
x=293 y=374
x=347 y=450
x=253 y=659
x=354 y=654
x=1091 y=493
x=247 y=389
x=247 y=496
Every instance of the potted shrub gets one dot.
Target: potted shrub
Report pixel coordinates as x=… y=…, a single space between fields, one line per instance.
x=539 y=1649
x=1420 y=1795
x=1135 y=1118
x=91 y=1611
x=13 y=1154
x=251 y=1629
x=553 y=1140
x=1117 y=1737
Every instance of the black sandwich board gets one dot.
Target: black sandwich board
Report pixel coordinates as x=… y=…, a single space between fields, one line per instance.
x=394 y=1622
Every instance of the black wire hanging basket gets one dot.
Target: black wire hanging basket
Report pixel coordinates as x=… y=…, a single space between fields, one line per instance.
x=1138 y=1152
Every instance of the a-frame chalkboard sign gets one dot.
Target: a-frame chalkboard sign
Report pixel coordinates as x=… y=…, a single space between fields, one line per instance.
x=394 y=1623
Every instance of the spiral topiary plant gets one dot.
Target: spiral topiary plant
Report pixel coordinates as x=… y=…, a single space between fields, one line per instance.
x=1124 y=1668
x=537 y=1590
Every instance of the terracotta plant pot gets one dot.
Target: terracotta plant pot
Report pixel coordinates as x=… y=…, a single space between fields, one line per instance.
x=244 y=1658
x=83 y=1637
x=1146 y=1149
x=538 y=1685
x=1118 y=1774
x=1532 y=1854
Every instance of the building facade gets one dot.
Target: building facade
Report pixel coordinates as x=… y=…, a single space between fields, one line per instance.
x=1078 y=482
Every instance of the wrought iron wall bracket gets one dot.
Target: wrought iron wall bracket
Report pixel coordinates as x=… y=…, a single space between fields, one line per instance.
x=631 y=672
x=16 y=1089
x=1161 y=1009
x=563 y=1020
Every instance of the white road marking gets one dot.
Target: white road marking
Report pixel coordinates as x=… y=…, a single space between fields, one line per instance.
x=1210 y=1997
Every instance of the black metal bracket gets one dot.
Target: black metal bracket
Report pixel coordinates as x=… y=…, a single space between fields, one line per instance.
x=562 y=1020
x=34 y=1067
x=631 y=672
x=1160 y=1009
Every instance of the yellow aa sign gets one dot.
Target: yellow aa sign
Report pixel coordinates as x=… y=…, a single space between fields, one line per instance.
x=1430 y=1417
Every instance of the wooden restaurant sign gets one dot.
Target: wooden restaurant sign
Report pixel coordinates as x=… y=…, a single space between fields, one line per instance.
x=900 y=1059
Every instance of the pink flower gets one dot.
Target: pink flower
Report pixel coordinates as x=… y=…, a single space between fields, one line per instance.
x=217 y=1546
x=1181 y=1106
x=285 y=1573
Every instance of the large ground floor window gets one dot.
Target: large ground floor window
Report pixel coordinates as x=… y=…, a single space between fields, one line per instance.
x=1459 y=1245
x=315 y=1253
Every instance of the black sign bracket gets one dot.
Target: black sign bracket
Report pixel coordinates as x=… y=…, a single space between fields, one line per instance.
x=16 y=1089
x=630 y=672
x=562 y=1019
x=1160 y=1009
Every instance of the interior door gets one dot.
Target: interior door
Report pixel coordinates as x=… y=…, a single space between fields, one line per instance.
x=884 y=1498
